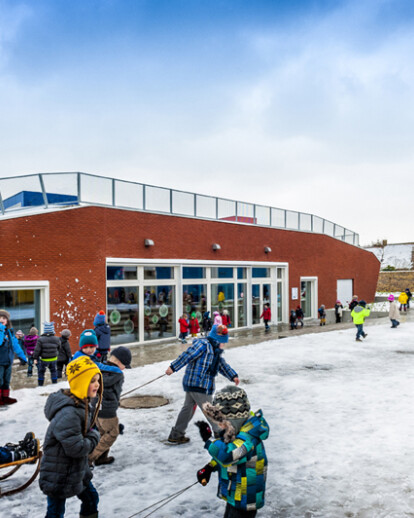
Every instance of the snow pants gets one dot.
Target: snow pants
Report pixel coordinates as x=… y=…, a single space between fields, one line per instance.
x=233 y=512
x=109 y=430
x=89 y=498
x=42 y=365
x=192 y=400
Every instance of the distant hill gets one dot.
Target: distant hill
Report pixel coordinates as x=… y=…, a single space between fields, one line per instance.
x=398 y=256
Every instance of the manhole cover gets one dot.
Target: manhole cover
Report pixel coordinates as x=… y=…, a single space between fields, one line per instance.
x=143 y=402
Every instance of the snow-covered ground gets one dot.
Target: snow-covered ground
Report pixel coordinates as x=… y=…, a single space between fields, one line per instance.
x=399 y=255
x=341 y=438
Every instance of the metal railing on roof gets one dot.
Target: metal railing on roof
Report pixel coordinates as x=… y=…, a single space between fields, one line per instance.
x=62 y=189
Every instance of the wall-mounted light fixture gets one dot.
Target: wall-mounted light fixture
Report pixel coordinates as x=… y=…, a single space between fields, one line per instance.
x=149 y=242
x=267 y=249
x=216 y=246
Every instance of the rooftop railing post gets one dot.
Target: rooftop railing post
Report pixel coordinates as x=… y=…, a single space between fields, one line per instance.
x=195 y=204
x=323 y=226
x=78 y=179
x=217 y=211
x=237 y=211
x=270 y=216
x=311 y=222
x=144 y=197
x=171 y=201
x=2 y=205
x=113 y=192
x=42 y=186
x=254 y=214
x=285 y=219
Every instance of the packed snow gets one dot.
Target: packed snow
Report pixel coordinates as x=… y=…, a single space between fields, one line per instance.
x=341 y=438
x=398 y=256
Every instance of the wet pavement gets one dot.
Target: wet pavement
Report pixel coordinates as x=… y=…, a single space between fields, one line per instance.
x=154 y=352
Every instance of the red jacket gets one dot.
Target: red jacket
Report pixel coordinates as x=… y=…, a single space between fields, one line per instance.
x=267 y=314
x=194 y=326
x=226 y=320
x=183 y=325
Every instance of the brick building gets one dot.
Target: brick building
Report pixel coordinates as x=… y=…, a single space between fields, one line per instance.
x=145 y=255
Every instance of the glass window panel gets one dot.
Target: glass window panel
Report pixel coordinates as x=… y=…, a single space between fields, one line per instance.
x=329 y=228
x=206 y=207
x=349 y=237
x=221 y=273
x=183 y=203
x=195 y=300
x=121 y=272
x=242 y=273
x=256 y=303
x=96 y=189
x=21 y=192
x=56 y=184
x=241 y=305
x=226 y=210
x=279 y=273
x=262 y=215
x=222 y=299
x=317 y=224
x=278 y=218
x=339 y=231
x=24 y=308
x=245 y=212
x=292 y=219
x=194 y=272
x=306 y=298
x=260 y=272
x=159 y=312
x=279 y=302
x=158 y=272
x=123 y=314
x=266 y=294
x=157 y=199
x=129 y=194
x=305 y=222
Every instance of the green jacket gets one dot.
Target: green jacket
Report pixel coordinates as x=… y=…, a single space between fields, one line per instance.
x=359 y=313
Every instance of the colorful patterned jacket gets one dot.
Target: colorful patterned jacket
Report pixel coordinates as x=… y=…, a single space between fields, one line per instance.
x=204 y=360
x=242 y=465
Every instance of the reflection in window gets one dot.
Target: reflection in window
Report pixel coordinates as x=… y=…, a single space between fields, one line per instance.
x=24 y=308
x=194 y=272
x=241 y=273
x=260 y=272
x=121 y=272
x=241 y=305
x=158 y=272
x=222 y=273
x=159 y=312
x=222 y=299
x=123 y=314
x=194 y=300
x=256 y=303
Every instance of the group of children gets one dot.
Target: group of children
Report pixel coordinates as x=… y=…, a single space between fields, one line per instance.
x=191 y=326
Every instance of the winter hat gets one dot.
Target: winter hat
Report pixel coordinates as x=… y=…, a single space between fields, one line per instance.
x=338 y=302
x=66 y=333
x=99 y=318
x=80 y=373
x=362 y=303
x=88 y=338
x=19 y=333
x=355 y=297
x=123 y=354
x=33 y=331
x=4 y=313
x=49 y=328
x=391 y=297
x=222 y=338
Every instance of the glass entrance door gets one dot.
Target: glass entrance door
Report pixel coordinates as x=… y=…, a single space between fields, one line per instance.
x=306 y=297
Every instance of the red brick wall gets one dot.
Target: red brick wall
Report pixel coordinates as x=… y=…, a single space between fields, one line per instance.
x=69 y=248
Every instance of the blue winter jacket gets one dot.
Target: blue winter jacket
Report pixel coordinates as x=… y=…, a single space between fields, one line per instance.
x=103 y=367
x=204 y=360
x=9 y=346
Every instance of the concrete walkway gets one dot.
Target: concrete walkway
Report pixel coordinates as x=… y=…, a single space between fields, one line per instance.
x=154 y=352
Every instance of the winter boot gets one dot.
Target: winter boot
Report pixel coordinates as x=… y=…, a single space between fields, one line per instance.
x=6 y=399
x=104 y=459
x=94 y=515
x=177 y=438
x=27 y=448
x=1 y=397
x=358 y=340
x=40 y=383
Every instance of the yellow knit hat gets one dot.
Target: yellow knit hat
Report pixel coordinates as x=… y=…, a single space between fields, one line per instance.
x=80 y=373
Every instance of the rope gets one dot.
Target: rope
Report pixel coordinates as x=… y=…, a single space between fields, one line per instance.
x=165 y=501
x=136 y=388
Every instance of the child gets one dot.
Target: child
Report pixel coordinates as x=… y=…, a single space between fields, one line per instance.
x=88 y=342
x=238 y=454
x=394 y=314
x=30 y=342
x=403 y=299
x=46 y=353
x=20 y=339
x=8 y=347
x=338 y=311
x=225 y=318
x=293 y=320
x=70 y=437
x=184 y=325
x=25 y=449
x=103 y=333
x=194 y=325
x=358 y=315
x=299 y=315
x=108 y=423
x=354 y=303
x=207 y=323
x=266 y=315
x=322 y=315
x=217 y=319
x=65 y=354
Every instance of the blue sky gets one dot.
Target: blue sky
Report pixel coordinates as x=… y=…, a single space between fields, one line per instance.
x=305 y=105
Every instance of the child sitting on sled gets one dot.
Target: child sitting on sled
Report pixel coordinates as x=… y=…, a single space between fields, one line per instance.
x=25 y=449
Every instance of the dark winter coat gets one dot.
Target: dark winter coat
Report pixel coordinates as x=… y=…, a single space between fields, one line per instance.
x=353 y=304
x=64 y=470
x=299 y=313
x=30 y=342
x=47 y=347
x=103 y=332
x=112 y=383
x=9 y=345
x=65 y=354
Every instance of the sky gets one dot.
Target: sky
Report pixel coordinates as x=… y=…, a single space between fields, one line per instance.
x=340 y=443
x=302 y=105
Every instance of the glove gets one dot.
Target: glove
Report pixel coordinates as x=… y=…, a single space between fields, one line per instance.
x=205 y=430
x=121 y=428
x=204 y=474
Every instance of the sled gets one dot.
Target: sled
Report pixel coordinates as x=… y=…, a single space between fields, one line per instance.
x=15 y=466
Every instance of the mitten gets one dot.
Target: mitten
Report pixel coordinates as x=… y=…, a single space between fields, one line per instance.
x=204 y=474
x=205 y=430
x=121 y=428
